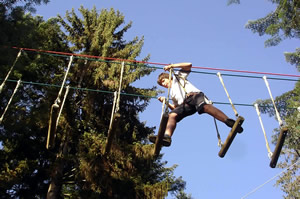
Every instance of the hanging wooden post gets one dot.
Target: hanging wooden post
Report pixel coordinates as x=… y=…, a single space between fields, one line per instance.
x=115 y=115
x=54 y=112
x=283 y=130
x=163 y=121
x=238 y=123
x=10 y=70
x=12 y=96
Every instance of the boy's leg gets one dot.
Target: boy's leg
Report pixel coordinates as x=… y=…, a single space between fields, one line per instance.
x=171 y=125
x=215 y=112
x=219 y=115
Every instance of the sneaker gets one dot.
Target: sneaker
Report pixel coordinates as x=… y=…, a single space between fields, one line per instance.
x=166 y=140
x=230 y=123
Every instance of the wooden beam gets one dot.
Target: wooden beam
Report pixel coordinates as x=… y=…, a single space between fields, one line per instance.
x=231 y=136
x=280 y=141
x=161 y=133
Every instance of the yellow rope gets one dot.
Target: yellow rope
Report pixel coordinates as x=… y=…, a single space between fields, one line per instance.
x=16 y=88
x=232 y=105
x=264 y=132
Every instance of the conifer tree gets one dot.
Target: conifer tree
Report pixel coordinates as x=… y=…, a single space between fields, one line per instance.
x=129 y=171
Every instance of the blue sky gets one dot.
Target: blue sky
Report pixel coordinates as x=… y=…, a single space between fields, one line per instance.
x=208 y=34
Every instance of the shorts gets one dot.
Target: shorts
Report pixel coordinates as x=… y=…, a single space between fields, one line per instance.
x=192 y=104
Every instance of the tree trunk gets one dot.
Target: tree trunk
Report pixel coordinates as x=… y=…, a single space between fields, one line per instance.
x=57 y=173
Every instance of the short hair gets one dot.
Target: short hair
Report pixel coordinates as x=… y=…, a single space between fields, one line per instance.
x=161 y=77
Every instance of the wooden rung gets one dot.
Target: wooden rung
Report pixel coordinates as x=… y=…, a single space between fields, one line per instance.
x=280 y=141
x=161 y=133
x=52 y=127
x=231 y=136
x=111 y=132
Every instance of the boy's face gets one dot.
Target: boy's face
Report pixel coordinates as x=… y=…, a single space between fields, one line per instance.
x=165 y=83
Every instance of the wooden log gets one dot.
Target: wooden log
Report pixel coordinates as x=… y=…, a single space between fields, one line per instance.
x=161 y=133
x=231 y=136
x=280 y=141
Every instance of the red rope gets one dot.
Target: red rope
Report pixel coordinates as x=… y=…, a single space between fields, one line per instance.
x=154 y=63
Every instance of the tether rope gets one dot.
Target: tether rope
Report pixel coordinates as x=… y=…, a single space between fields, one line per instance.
x=12 y=96
x=271 y=96
x=10 y=70
x=263 y=129
x=232 y=105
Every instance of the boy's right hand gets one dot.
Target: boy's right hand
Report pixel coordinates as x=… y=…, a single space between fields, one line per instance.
x=161 y=99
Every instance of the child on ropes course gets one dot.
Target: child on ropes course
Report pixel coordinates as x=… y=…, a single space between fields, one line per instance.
x=187 y=100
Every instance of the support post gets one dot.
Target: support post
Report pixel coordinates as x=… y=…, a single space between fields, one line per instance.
x=280 y=141
x=231 y=136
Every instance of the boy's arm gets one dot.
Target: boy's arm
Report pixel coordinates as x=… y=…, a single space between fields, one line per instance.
x=171 y=106
x=185 y=66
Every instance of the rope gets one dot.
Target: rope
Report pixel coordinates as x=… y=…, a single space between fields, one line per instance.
x=131 y=94
x=220 y=144
x=277 y=113
x=10 y=70
x=62 y=105
x=232 y=105
x=57 y=101
x=169 y=89
x=120 y=87
x=257 y=188
x=264 y=132
x=16 y=88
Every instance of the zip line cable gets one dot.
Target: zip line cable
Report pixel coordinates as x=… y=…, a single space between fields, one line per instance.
x=65 y=54
x=117 y=60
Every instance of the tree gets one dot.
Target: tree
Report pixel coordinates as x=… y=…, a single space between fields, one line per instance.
x=129 y=171
x=23 y=158
x=284 y=23
x=76 y=166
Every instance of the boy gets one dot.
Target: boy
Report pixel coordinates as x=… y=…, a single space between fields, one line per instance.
x=187 y=100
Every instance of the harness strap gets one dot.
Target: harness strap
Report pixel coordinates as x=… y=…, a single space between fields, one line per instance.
x=169 y=89
x=183 y=86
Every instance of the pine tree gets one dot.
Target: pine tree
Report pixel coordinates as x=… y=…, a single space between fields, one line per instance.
x=76 y=166
x=129 y=171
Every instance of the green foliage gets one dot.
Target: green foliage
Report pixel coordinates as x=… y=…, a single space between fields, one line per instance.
x=289 y=181
x=294 y=58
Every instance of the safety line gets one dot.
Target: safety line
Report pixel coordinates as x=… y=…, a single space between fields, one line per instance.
x=132 y=94
x=254 y=190
x=154 y=63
